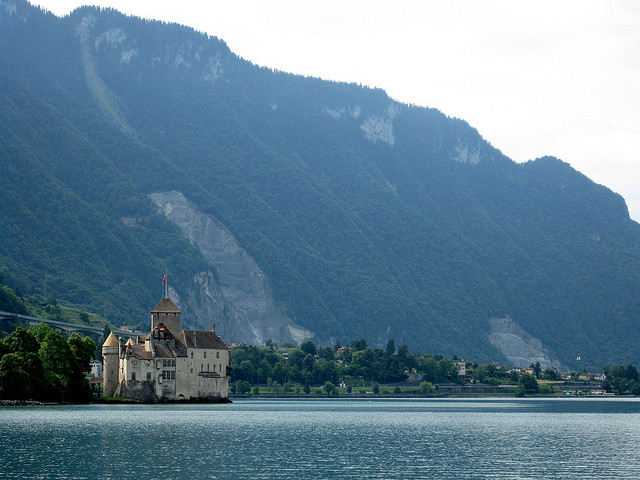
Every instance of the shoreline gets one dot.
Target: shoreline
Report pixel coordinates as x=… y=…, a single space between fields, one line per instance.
x=295 y=396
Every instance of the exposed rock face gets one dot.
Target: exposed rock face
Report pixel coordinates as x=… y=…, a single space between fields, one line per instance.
x=240 y=301
x=518 y=346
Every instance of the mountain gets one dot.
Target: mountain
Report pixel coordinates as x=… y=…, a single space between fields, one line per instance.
x=287 y=207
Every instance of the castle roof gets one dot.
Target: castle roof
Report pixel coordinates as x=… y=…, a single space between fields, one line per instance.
x=111 y=341
x=139 y=352
x=166 y=306
x=201 y=339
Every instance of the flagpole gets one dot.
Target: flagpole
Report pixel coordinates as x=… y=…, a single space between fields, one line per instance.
x=165 y=285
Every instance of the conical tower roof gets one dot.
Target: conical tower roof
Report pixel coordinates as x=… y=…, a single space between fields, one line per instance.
x=111 y=341
x=166 y=306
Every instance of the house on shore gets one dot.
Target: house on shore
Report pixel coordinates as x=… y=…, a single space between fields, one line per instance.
x=169 y=364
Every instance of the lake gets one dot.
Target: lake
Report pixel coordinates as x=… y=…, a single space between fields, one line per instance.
x=326 y=439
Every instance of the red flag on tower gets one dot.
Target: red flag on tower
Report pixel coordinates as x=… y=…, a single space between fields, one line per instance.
x=164 y=279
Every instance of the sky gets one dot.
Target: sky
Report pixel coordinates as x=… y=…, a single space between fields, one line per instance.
x=535 y=78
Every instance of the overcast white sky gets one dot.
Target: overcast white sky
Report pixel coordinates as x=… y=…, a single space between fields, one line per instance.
x=543 y=77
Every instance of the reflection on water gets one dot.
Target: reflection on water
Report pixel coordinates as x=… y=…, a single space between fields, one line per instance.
x=325 y=439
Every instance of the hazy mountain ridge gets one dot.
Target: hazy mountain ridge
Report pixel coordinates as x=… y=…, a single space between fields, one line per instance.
x=367 y=217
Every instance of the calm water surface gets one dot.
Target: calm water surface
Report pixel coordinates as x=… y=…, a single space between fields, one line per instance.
x=326 y=439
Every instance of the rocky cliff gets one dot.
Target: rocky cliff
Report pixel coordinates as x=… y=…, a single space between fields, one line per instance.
x=238 y=297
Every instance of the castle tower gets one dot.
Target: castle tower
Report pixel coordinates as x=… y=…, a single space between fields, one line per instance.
x=110 y=362
x=166 y=312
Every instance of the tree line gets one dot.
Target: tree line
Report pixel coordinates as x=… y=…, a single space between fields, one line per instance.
x=39 y=363
x=356 y=364
x=284 y=370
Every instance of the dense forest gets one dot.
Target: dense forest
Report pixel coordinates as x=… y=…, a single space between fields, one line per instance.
x=40 y=364
x=369 y=218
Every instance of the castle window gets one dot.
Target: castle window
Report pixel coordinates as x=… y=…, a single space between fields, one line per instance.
x=205 y=354
x=192 y=370
x=191 y=354
x=217 y=354
x=133 y=375
x=202 y=367
x=149 y=376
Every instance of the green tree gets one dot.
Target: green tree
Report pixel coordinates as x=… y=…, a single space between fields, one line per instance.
x=545 y=389
x=308 y=362
x=631 y=373
x=425 y=387
x=330 y=388
x=22 y=341
x=14 y=380
x=11 y=302
x=83 y=349
x=56 y=354
x=363 y=363
x=244 y=371
x=309 y=347
x=296 y=357
x=358 y=345
x=40 y=331
x=391 y=347
x=243 y=387
x=529 y=383
x=483 y=372
x=327 y=353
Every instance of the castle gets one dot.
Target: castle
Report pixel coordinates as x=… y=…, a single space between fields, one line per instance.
x=168 y=364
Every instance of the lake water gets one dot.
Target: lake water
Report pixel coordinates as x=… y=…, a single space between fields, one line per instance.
x=326 y=439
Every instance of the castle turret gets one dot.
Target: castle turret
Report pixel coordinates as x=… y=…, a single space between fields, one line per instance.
x=110 y=362
x=166 y=312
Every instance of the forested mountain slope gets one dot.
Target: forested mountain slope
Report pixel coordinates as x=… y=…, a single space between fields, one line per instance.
x=287 y=207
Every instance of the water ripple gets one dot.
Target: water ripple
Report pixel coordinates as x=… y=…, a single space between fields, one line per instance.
x=390 y=439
